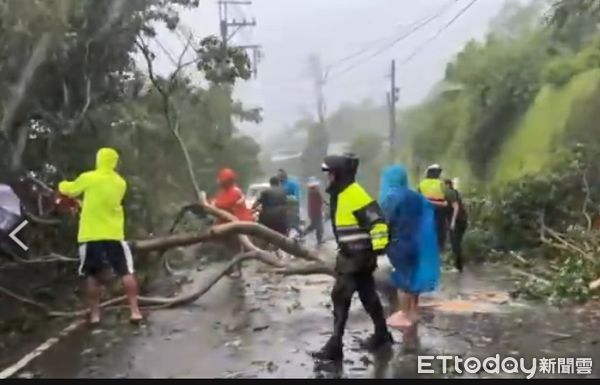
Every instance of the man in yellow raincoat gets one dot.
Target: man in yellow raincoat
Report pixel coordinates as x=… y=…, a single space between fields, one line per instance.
x=101 y=230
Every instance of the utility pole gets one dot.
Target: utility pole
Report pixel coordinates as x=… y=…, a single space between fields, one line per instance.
x=320 y=79
x=229 y=27
x=318 y=138
x=226 y=35
x=392 y=99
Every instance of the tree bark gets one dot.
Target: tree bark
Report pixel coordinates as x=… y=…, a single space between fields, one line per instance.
x=247 y=228
x=154 y=303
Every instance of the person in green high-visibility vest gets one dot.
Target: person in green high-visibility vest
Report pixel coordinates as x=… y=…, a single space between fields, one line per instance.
x=432 y=188
x=361 y=234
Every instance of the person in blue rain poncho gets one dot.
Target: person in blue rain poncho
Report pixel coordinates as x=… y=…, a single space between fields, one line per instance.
x=413 y=249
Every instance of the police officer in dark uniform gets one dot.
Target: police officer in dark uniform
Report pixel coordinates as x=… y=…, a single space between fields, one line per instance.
x=361 y=234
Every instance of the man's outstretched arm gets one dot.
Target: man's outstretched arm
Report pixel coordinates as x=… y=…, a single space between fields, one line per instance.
x=73 y=189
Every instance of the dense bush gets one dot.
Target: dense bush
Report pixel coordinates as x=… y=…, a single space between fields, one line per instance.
x=549 y=220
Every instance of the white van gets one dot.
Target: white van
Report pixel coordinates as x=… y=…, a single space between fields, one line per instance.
x=254 y=191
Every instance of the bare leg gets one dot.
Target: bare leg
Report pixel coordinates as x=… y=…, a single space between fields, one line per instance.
x=400 y=319
x=131 y=290
x=93 y=292
x=405 y=304
x=413 y=313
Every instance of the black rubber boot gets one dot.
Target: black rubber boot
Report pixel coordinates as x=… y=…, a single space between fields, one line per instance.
x=378 y=341
x=331 y=351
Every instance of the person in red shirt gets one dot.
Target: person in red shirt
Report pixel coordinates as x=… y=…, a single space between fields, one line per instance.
x=231 y=198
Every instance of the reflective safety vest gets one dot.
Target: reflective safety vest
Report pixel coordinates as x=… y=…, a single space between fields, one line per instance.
x=359 y=224
x=432 y=189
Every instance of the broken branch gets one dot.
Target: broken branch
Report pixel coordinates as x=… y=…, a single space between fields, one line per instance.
x=562 y=244
x=27 y=301
x=162 y=303
x=88 y=101
x=246 y=228
x=180 y=65
x=168 y=112
x=530 y=275
x=586 y=201
x=154 y=303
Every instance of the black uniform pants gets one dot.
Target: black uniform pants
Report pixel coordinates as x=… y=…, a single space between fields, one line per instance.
x=456 y=237
x=341 y=295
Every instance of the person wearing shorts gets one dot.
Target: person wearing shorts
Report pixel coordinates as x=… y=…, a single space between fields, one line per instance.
x=101 y=235
x=95 y=256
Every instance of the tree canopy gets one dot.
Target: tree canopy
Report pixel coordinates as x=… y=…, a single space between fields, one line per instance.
x=70 y=84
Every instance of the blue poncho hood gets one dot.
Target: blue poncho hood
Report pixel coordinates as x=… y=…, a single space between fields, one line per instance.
x=392 y=177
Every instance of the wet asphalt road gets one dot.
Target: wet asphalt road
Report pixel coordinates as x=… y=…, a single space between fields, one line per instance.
x=266 y=326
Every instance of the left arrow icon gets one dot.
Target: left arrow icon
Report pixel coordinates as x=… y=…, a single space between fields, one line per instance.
x=13 y=235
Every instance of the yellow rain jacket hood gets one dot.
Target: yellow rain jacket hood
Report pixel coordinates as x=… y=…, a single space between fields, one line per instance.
x=102 y=217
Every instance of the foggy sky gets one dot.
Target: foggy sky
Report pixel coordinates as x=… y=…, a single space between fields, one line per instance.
x=291 y=30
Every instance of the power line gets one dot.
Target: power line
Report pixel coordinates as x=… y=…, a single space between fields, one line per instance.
x=165 y=50
x=416 y=25
x=421 y=47
x=226 y=35
x=368 y=46
x=402 y=37
x=436 y=35
x=238 y=9
x=246 y=33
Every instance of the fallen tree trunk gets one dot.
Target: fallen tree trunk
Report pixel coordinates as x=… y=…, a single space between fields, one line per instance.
x=162 y=303
x=315 y=264
x=246 y=243
x=153 y=303
x=247 y=228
